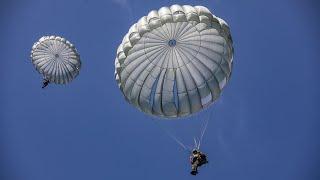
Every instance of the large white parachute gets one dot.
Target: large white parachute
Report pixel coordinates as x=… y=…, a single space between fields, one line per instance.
x=174 y=61
x=56 y=59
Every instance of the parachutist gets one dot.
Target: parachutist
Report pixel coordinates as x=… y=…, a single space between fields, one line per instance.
x=45 y=83
x=197 y=159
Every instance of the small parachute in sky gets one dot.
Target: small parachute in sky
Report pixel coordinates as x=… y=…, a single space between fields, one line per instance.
x=175 y=61
x=56 y=59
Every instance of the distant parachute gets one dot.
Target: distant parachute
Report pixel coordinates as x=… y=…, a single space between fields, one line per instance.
x=174 y=61
x=56 y=59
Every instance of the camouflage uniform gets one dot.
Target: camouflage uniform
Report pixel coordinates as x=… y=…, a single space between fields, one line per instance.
x=197 y=159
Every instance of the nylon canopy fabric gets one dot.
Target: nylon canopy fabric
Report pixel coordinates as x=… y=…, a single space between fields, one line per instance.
x=174 y=61
x=56 y=59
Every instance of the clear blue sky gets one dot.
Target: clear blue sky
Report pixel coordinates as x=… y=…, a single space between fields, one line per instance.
x=265 y=125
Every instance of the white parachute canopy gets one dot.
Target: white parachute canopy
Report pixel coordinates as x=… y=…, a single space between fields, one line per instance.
x=56 y=59
x=174 y=61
